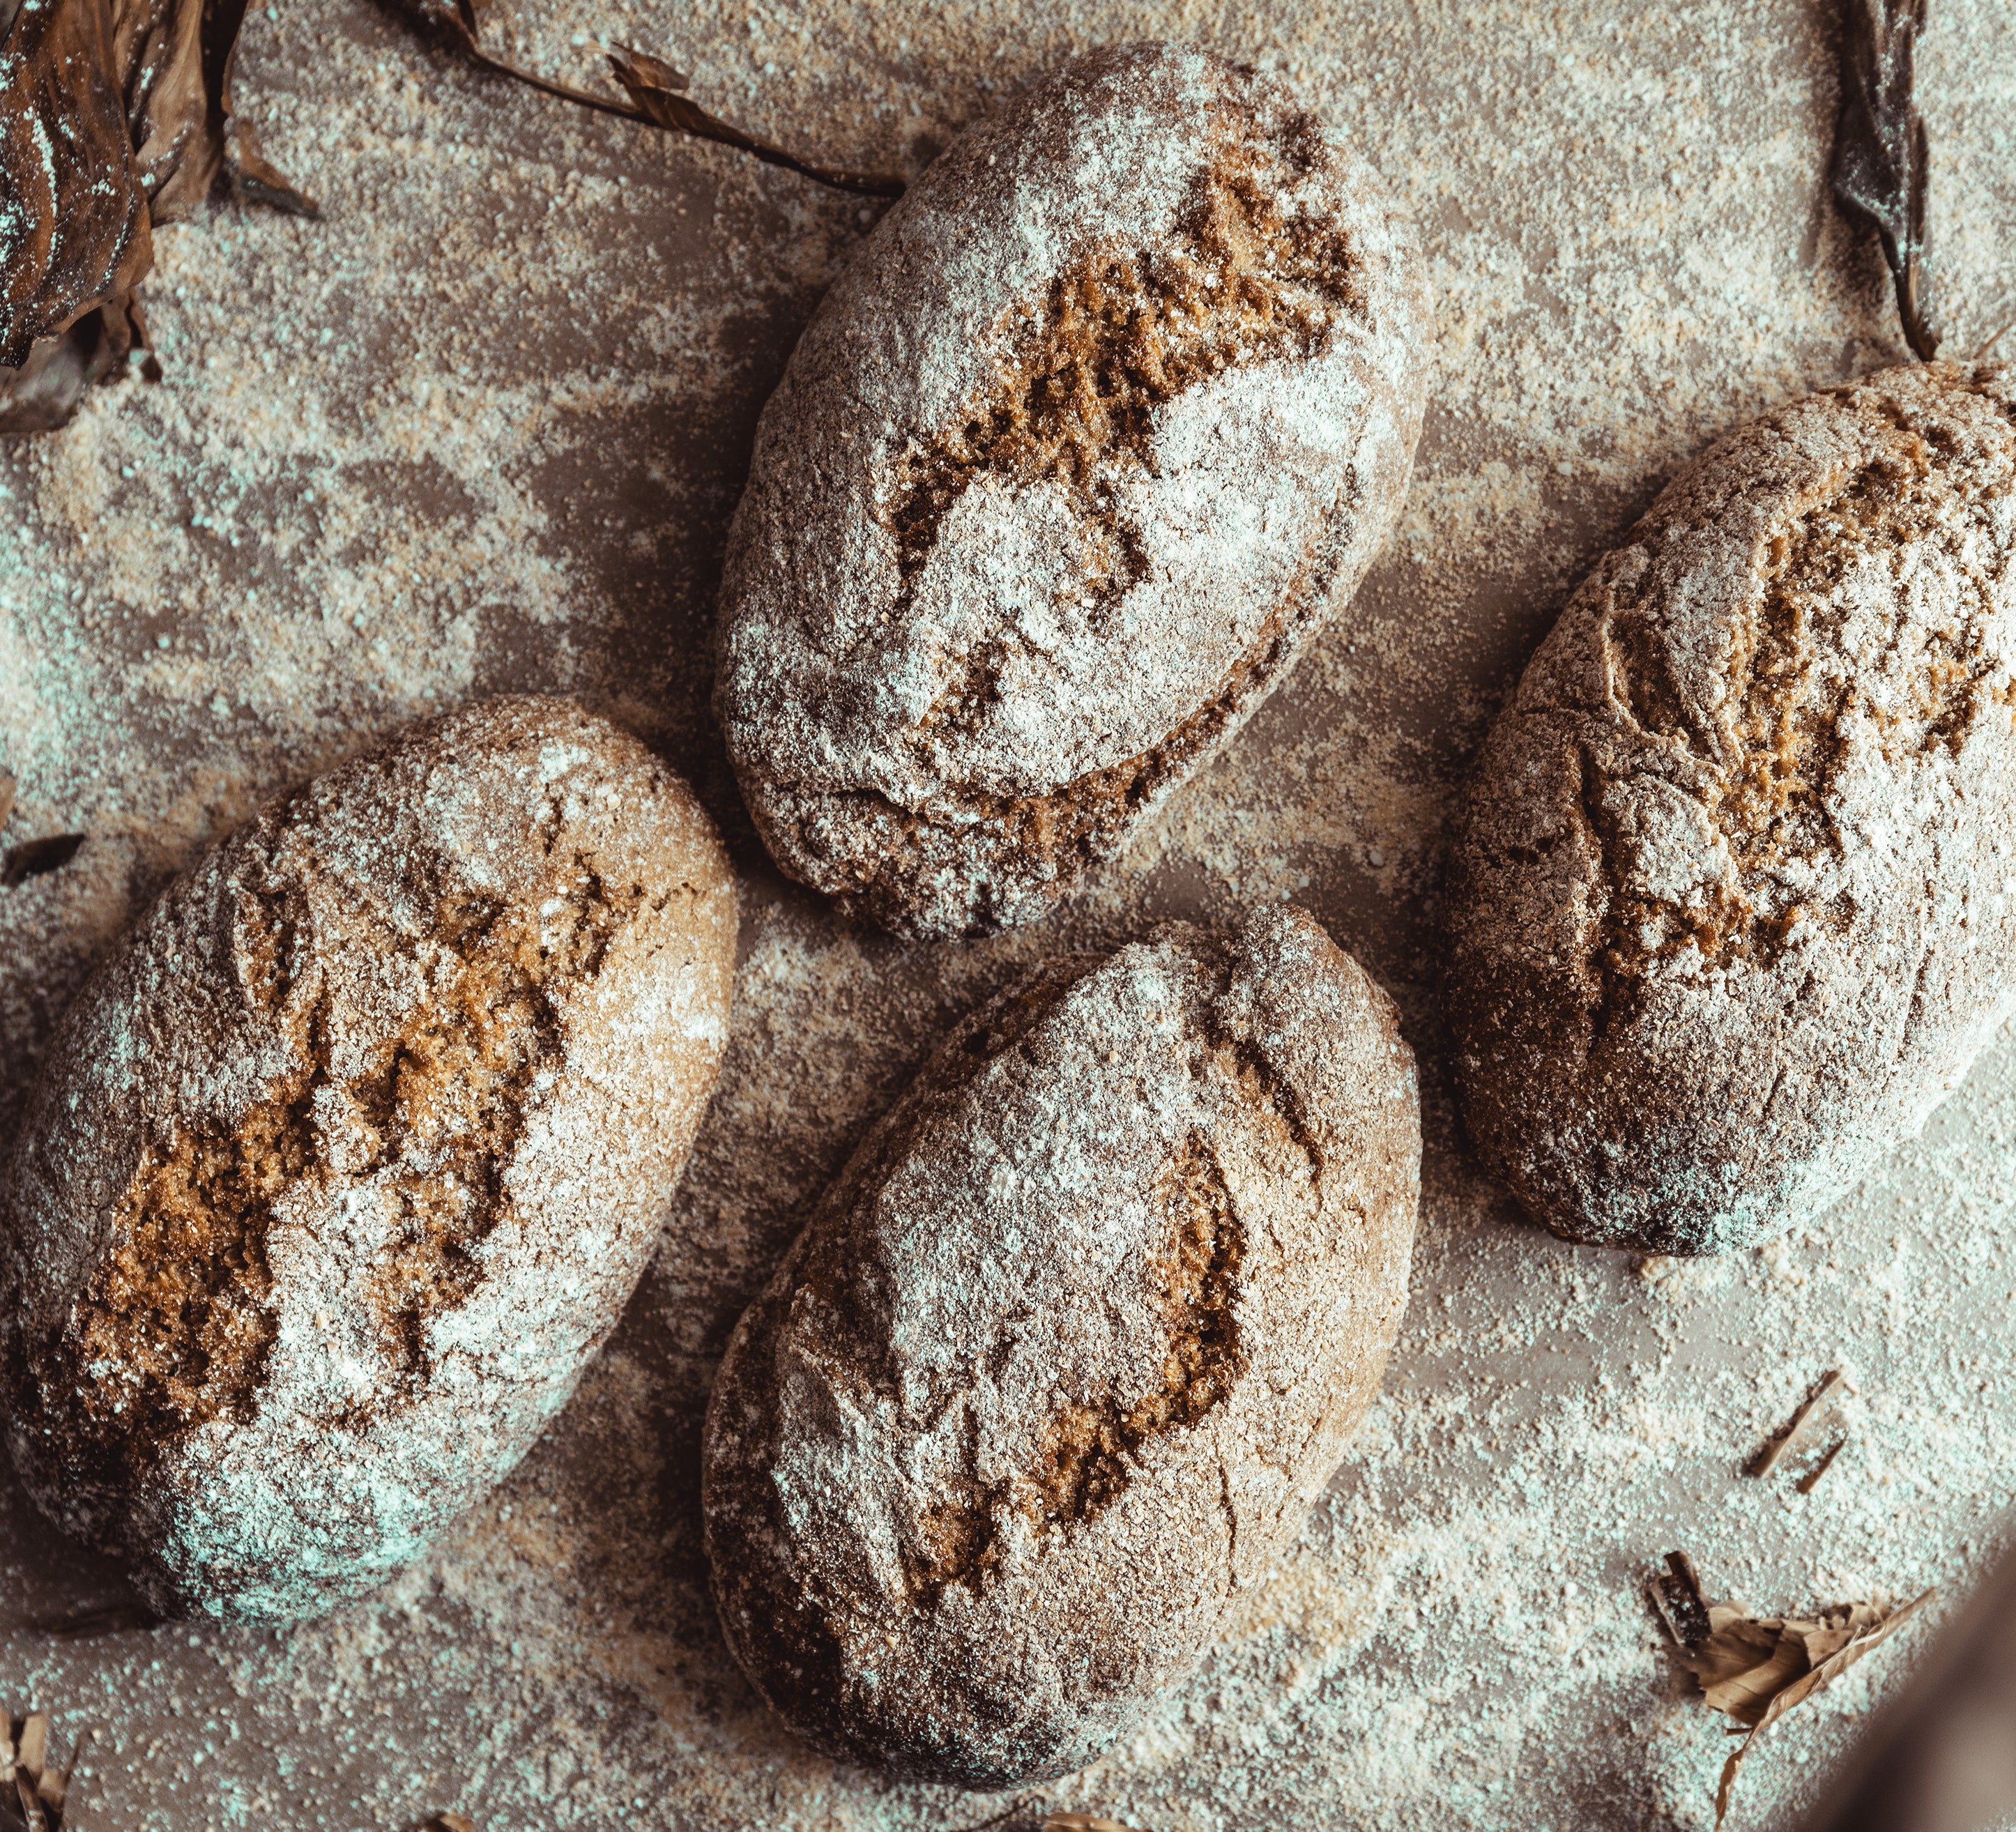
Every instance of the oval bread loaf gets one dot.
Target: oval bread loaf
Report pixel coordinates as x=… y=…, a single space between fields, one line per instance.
x=1061 y=1360
x=348 y=1160
x=1100 y=422
x=1733 y=903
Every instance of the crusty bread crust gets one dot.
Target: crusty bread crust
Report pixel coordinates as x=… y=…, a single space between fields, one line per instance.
x=344 y=1163
x=1105 y=417
x=1733 y=906
x=1061 y=1360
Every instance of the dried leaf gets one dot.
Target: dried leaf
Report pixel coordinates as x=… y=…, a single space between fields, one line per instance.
x=450 y=1822
x=48 y=389
x=1774 y=1452
x=77 y=230
x=134 y=96
x=32 y=858
x=1811 y=1481
x=1755 y=1668
x=653 y=87
x=1881 y=157
x=1082 y=1822
x=6 y=808
x=1800 y=1690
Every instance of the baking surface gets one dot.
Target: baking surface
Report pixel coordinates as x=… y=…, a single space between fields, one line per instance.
x=483 y=427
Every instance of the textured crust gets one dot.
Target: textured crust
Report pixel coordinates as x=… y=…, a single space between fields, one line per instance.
x=344 y=1165
x=1105 y=417
x=1731 y=907
x=1062 y=1358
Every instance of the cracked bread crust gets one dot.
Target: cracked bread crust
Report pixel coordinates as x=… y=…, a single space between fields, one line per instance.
x=1060 y=1361
x=1104 y=420
x=348 y=1160
x=1733 y=905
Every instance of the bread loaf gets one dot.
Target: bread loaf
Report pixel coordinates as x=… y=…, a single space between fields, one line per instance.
x=1733 y=906
x=1101 y=422
x=348 y=1158
x=1060 y=1362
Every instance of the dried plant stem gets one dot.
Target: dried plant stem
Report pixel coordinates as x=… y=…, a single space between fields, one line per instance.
x=653 y=87
x=1809 y=1482
x=1774 y=1452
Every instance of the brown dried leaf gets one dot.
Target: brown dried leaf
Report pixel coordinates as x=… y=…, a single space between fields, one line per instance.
x=653 y=87
x=134 y=96
x=1742 y=1664
x=1754 y=1669
x=1882 y=159
x=76 y=229
x=48 y=389
x=6 y=808
x=450 y=1823
x=1082 y=1822
x=32 y=858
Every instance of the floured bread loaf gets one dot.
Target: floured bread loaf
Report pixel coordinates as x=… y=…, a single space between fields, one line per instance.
x=1060 y=1361
x=1733 y=904
x=1103 y=419
x=348 y=1160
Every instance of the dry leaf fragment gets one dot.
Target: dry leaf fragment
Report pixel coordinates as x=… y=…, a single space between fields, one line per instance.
x=1082 y=1822
x=1802 y=1688
x=1881 y=157
x=1774 y=1452
x=450 y=1822
x=654 y=89
x=77 y=230
x=1756 y=1668
x=6 y=781
x=1811 y=1481
x=1677 y=1596
x=32 y=858
x=132 y=100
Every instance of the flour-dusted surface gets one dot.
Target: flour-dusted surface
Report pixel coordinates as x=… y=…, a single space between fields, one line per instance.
x=342 y=1168
x=1051 y=1378
x=1731 y=909
x=511 y=461
x=1107 y=415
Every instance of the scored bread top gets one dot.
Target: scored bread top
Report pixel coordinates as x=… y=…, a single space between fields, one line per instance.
x=1104 y=416
x=1061 y=1360
x=352 y=1152
x=1733 y=902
